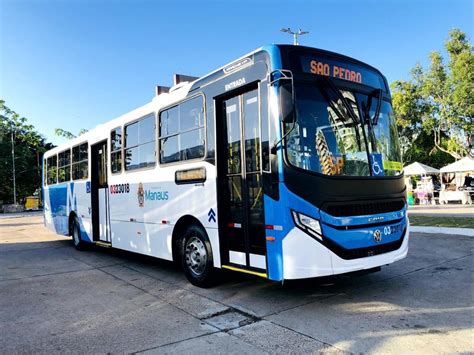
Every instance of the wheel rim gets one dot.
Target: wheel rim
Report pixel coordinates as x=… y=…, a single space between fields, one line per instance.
x=75 y=235
x=196 y=256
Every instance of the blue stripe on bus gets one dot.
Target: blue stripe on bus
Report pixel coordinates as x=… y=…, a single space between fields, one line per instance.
x=279 y=213
x=359 y=220
x=58 y=207
x=363 y=237
x=275 y=63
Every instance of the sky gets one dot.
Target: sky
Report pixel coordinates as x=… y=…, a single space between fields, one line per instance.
x=74 y=64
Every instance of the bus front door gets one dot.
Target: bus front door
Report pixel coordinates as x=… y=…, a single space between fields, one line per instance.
x=240 y=184
x=99 y=193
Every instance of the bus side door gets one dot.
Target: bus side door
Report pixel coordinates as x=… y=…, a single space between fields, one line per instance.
x=240 y=192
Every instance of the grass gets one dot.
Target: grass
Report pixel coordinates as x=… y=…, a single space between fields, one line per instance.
x=455 y=222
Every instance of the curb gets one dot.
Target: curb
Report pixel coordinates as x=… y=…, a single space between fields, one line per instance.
x=20 y=214
x=469 y=232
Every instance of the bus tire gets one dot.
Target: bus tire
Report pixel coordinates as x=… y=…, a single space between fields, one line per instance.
x=79 y=244
x=196 y=257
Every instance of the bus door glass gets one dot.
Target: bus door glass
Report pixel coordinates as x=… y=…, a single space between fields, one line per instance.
x=99 y=193
x=242 y=202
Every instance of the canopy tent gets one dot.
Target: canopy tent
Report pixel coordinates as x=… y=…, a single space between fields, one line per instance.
x=465 y=164
x=419 y=169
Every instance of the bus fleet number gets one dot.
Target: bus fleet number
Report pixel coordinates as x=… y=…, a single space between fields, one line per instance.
x=392 y=229
x=120 y=189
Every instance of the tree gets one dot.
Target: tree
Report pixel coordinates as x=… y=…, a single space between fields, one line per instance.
x=29 y=147
x=68 y=135
x=434 y=109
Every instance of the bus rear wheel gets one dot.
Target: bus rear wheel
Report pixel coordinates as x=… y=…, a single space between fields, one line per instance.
x=196 y=258
x=79 y=244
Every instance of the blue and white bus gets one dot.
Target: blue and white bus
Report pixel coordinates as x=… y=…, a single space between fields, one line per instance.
x=283 y=164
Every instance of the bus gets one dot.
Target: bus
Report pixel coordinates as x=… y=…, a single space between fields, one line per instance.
x=284 y=164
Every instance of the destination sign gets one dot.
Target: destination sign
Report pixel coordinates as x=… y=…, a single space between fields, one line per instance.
x=336 y=71
x=342 y=70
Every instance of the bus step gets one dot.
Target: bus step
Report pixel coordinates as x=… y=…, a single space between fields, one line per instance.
x=261 y=274
x=103 y=244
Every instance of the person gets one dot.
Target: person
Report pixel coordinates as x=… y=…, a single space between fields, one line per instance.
x=468 y=181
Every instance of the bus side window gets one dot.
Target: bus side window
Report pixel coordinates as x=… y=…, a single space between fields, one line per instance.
x=80 y=158
x=140 y=143
x=52 y=170
x=64 y=164
x=182 y=133
x=116 y=150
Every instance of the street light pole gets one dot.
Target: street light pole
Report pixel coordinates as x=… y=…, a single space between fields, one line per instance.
x=295 y=34
x=14 y=175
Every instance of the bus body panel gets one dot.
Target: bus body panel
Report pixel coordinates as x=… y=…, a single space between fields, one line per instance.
x=56 y=208
x=80 y=202
x=63 y=199
x=359 y=236
x=145 y=206
x=304 y=257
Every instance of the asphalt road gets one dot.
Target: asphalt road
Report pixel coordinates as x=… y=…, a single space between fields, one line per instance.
x=56 y=299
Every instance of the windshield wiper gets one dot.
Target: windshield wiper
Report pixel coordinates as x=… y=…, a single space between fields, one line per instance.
x=372 y=121
x=348 y=107
x=354 y=118
x=375 y=119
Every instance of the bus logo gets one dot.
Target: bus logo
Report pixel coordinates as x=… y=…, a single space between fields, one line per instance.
x=238 y=65
x=377 y=236
x=141 y=195
x=376 y=219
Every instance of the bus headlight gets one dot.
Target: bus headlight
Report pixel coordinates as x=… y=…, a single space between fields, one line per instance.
x=307 y=224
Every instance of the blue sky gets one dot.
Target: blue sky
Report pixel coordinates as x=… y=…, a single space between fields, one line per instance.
x=74 y=64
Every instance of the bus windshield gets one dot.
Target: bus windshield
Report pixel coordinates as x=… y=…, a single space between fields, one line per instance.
x=335 y=133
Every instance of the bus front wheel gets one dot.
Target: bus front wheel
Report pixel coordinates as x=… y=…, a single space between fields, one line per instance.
x=196 y=257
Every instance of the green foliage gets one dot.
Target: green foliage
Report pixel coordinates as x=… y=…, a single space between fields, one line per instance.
x=63 y=133
x=29 y=148
x=66 y=134
x=424 y=151
x=434 y=109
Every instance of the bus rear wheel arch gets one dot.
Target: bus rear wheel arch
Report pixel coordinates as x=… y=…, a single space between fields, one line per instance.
x=179 y=229
x=72 y=217
x=75 y=229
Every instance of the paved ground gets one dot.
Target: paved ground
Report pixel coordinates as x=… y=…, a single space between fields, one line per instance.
x=56 y=299
x=454 y=210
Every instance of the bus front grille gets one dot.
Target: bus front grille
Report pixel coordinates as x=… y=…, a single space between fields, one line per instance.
x=363 y=208
x=349 y=254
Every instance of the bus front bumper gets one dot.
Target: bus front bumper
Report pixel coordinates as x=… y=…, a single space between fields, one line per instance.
x=304 y=257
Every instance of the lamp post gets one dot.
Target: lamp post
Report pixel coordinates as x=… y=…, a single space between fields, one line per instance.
x=295 y=34
x=13 y=163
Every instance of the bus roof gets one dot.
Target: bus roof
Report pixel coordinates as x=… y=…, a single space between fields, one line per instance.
x=176 y=94
x=180 y=92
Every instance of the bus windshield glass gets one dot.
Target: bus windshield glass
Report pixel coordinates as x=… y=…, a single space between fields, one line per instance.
x=337 y=133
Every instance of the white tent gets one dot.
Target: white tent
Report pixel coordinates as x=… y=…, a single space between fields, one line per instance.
x=465 y=164
x=419 y=169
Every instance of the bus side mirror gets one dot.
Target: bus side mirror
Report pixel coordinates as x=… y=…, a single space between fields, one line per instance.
x=286 y=102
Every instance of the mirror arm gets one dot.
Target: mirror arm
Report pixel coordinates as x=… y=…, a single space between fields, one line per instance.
x=274 y=77
x=284 y=75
